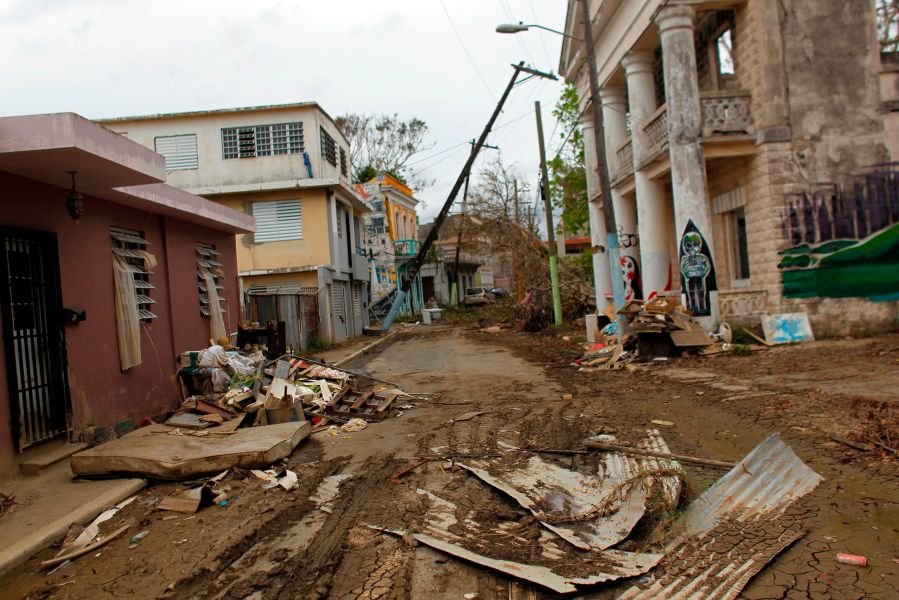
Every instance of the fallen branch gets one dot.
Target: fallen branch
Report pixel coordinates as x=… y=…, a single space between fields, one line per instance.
x=851 y=444
x=679 y=457
x=395 y=478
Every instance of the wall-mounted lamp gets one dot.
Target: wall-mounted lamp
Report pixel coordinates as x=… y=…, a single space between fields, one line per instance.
x=74 y=200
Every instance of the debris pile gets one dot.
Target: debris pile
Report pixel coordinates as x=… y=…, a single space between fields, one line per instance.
x=224 y=390
x=585 y=524
x=239 y=410
x=657 y=328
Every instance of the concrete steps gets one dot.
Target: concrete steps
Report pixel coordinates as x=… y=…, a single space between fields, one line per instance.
x=36 y=459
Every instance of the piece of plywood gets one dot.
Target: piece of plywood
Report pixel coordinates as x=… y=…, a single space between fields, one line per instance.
x=691 y=338
x=179 y=457
x=786 y=328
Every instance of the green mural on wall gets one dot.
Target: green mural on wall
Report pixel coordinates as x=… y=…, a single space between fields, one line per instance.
x=844 y=244
x=867 y=268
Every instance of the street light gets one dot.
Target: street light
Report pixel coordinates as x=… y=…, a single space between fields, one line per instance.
x=613 y=247
x=519 y=27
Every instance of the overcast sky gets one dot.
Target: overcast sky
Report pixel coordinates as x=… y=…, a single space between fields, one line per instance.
x=111 y=58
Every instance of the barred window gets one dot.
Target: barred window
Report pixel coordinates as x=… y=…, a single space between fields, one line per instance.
x=131 y=246
x=262 y=140
x=343 y=165
x=329 y=147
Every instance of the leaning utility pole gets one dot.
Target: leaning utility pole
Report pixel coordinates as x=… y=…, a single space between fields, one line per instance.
x=550 y=233
x=403 y=290
x=612 y=246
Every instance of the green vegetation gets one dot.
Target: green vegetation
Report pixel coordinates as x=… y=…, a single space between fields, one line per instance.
x=568 y=179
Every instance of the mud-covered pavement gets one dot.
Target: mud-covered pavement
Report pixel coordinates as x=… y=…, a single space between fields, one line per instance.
x=277 y=544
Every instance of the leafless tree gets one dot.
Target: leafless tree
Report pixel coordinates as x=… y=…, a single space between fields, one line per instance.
x=888 y=24
x=384 y=143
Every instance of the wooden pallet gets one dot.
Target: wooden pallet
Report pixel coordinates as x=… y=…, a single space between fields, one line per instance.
x=365 y=406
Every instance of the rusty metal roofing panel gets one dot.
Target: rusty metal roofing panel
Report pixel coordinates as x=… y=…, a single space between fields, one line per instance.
x=593 y=513
x=736 y=527
x=563 y=568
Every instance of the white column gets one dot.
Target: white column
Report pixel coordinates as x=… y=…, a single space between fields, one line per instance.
x=688 y=178
x=601 y=273
x=652 y=219
x=614 y=113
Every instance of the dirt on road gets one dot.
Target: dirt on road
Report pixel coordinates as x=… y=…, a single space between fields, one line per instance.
x=317 y=541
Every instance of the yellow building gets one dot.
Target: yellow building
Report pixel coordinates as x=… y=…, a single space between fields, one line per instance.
x=288 y=166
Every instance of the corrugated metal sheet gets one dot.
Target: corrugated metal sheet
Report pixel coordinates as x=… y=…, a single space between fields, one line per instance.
x=593 y=513
x=443 y=531
x=736 y=527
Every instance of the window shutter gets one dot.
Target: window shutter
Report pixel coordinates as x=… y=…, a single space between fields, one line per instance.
x=278 y=221
x=180 y=151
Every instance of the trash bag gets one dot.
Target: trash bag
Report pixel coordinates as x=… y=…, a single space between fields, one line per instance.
x=220 y=380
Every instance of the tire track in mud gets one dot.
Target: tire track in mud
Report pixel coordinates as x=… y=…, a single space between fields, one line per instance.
x=311 y=573
x=214 y=574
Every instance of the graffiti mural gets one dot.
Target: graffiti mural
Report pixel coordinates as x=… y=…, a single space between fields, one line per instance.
x=844 y=243
x=697 y=271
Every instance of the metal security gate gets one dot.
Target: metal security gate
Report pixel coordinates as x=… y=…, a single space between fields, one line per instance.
x=34 y=341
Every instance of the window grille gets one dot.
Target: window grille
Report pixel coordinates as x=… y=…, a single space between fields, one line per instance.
x=339 y=212
x=131 y=246
x=343 y=165
x=180 y=151
x=262 y=140
x=329 y=147
x=278 y=221
x=207 y=262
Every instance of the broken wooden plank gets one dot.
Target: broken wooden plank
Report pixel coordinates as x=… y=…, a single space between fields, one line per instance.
x=85 y=550
x=385 y=404
x=282 y=368
x=691 y=338
x=360 y=401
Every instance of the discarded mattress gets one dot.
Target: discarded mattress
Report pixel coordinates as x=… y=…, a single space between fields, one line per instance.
x=160 y=452
x=563 y=568
x=735 y=528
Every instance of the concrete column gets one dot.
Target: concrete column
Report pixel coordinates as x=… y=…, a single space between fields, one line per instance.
x=692 y=215
x=601 y=273
x=653 y=229
x=614 y=113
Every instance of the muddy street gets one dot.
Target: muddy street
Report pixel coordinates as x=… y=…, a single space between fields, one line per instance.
x=346 y=531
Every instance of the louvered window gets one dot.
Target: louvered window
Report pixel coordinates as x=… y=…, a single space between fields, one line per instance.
x=262 y=140
x=278 y=220
x=207 y=262
x=329 y=147
x=343 y=165
x=180 y=151
x=132 y=247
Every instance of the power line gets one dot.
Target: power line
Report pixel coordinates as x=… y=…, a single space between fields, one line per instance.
x=467 y=53
x=536 y=20
x=521 y=42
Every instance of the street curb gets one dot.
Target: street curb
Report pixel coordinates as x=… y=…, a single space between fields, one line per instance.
x=30 y=545
x=368 y=348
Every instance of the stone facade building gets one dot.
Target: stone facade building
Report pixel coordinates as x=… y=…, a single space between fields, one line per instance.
x=748 y=149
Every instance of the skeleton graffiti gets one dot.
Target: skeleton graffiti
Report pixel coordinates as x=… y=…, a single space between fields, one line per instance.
x=697 y=271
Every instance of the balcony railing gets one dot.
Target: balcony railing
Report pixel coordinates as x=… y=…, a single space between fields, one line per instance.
x=726 y=113
x=625 y=154
x=656 y=130
x=406 y=248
